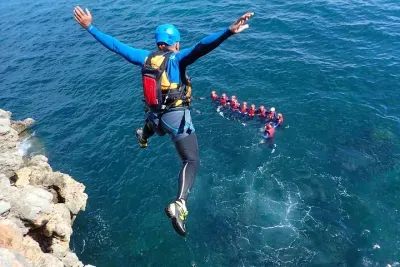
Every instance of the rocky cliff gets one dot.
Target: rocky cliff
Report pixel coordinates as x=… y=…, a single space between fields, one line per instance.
x=37 y=205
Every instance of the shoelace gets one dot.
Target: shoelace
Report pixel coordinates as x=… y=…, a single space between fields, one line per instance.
x=183 y=212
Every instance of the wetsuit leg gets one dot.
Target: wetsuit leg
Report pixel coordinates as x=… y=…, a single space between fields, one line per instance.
x=188 y=150
x=147 y=130
x=178 y=124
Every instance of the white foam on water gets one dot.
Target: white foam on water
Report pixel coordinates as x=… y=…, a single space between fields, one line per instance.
x=287 y=216
x=25 y=144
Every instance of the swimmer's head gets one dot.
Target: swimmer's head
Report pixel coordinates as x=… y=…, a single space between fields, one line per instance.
x=262 y=107
x=253 y=106
x=224 y=95
x=244 y=103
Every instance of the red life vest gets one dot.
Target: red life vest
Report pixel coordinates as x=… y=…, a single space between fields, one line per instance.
x=243 y=109
x=222 y=100
x=271 y=115
x=280 y=118
x=214 y=97
x=263 y=112
x=270 y=131
x=234 y=105
x=252 y=112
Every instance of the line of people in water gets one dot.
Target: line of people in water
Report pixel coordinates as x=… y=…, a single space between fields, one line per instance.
x=271 y=118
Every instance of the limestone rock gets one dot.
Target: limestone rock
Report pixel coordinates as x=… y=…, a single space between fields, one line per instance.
x=34 y=254
x=48 y=260
x=71 y=260
x=70 y=191
x=40 y=162
x=73 y=193
x=31 y=249
x=4 y=207
x=62 y=252
x=11 y=235
x=9 y=258
x=10 y=160
x=4 y=182
x=45 y=178
x=37 y=205
x=5 y=126
x=59 y=223
x=23 y=177
x=21 y=126
x=30 y=202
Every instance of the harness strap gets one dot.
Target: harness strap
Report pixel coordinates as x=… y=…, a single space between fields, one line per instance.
x=166 y=56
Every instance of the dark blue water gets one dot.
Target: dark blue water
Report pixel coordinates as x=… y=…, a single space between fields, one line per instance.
x=328 y=196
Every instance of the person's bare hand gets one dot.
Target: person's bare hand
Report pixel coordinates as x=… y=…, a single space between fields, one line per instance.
x=240 y=25
x=82 y=17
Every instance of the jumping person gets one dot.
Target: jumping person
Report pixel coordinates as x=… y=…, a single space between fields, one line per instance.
x=167 y=91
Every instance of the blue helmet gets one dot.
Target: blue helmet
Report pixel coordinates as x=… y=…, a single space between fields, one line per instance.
x=167 y=33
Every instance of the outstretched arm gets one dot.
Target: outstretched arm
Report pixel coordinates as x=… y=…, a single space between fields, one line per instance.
x=133 y=55
x=209 y=43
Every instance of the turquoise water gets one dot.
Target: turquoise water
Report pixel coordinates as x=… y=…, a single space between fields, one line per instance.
x=328 y=196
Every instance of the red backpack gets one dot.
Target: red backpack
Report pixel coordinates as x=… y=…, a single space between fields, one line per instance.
x=152 y=92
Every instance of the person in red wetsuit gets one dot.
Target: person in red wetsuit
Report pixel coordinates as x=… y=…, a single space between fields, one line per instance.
x=223 y=100
x=262 y=112
x=230 y=101
x=272 y=116
x=235 y=104
x=214 y=96
x=269 y=131
x=243 y=108
x=278 y=121
x=252 y=110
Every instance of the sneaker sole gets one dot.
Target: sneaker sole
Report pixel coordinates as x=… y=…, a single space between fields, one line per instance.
x=174 y=223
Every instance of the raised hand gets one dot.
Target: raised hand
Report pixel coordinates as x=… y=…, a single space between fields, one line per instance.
x=84 y=19
x=240 y=25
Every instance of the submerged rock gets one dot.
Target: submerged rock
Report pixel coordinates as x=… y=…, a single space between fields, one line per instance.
x=37 y=205
x=21 y=126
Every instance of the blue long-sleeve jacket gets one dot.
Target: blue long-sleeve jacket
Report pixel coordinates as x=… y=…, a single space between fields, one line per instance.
x=178 y=62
